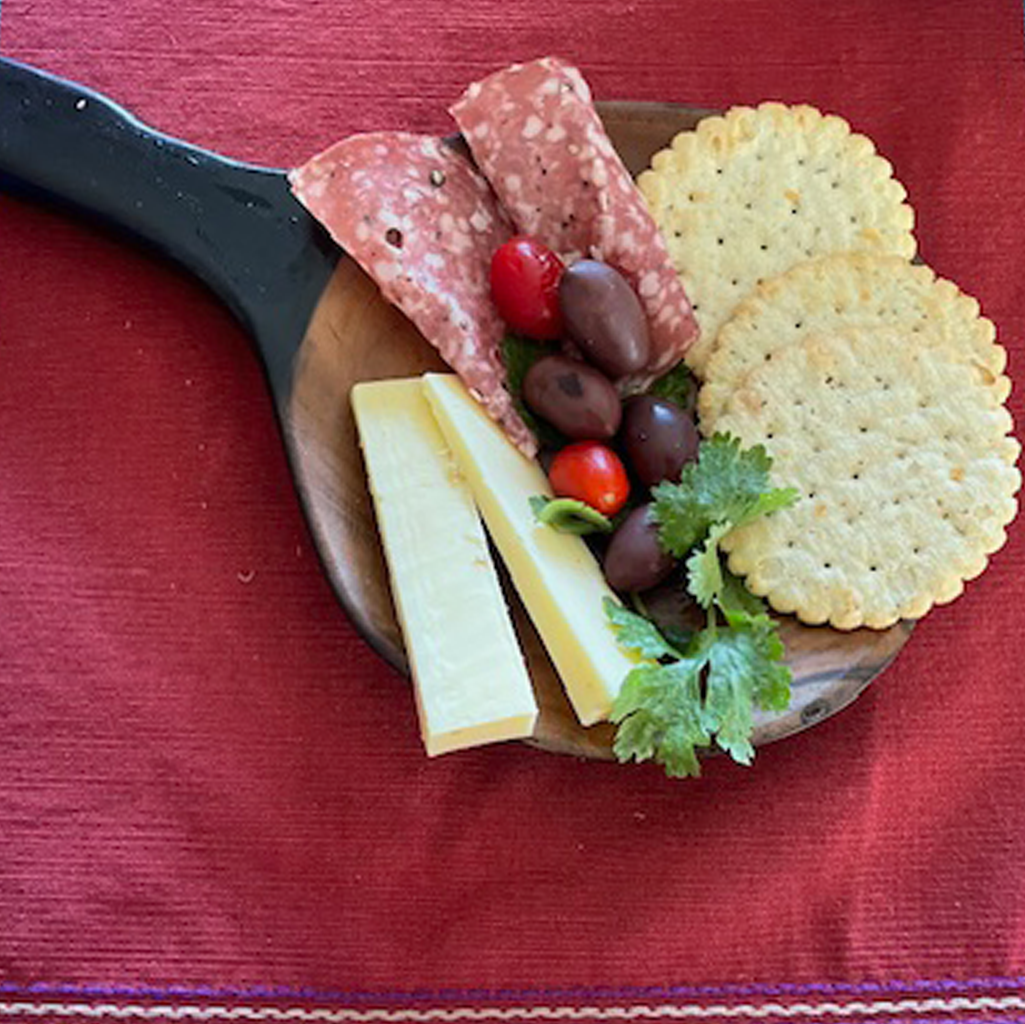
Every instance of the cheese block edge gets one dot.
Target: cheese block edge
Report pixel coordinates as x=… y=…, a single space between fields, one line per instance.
x=470 y=679
x=555 y=574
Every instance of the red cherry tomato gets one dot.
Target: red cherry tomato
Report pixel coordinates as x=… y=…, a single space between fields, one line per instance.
x=591 y=473
x=525 y=286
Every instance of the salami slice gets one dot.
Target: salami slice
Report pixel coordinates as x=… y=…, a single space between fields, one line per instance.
x=537 y=137
x=423 y=223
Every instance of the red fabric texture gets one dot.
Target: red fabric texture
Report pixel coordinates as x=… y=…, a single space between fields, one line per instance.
x=208 y=779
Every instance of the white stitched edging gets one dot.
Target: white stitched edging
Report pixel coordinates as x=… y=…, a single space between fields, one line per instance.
x=159 y=1011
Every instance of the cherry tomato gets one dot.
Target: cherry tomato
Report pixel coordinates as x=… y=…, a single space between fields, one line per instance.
x=525 y=286
x=591 y=473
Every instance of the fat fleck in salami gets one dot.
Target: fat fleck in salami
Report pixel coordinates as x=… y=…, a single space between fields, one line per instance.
x=423 y=223
x=535 y=134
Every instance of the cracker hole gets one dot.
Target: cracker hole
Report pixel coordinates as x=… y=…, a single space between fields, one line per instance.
x=721 y=241
x=827 y=565
x=763 y=247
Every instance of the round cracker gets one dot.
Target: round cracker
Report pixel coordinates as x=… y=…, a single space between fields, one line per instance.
x=744 y=197
x=904 y=467
x=849 y=290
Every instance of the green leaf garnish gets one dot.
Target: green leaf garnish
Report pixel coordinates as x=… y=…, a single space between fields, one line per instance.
x=734 y=596
x=704 y=687
x=725 y=485
x=567 y=515
x=677 y=386
x=658 y=714
x=704 y=570
x=637 y=632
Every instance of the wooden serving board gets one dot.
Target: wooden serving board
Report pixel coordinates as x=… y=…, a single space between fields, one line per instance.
x=319 y=326
x=356 y=336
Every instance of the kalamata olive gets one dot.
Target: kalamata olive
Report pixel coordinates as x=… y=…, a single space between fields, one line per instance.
x=604 y=317
x=634 y=559
x=659 y=438
x=574 y=397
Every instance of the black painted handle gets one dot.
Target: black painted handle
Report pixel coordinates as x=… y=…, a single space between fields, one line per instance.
x=234 y=225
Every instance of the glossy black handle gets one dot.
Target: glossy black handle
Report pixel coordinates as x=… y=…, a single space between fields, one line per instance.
x=235 y=225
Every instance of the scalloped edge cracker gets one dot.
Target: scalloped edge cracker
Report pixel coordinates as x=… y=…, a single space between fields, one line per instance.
x=849 y=290
x=745 y=196
x=906 y=472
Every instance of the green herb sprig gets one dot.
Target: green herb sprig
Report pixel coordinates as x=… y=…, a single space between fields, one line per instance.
x=685 y=696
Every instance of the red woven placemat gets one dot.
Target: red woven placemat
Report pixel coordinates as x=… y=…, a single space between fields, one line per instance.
x=212 y=793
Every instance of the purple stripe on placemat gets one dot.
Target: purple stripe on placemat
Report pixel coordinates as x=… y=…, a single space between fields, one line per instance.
x=452 y=995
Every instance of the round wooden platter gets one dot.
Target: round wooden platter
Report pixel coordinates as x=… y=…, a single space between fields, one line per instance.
x=355 y=336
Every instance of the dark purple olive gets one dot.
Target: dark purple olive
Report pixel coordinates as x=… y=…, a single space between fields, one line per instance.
x=659 y=438
x=604 y=317
x=574 y=397
x=634 y=559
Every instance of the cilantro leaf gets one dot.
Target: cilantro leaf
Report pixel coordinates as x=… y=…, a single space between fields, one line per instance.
x=682 y=522
x=759 y=636
x=518 y=356
x=677 y=386
x=744 y=671
x=770 y=501
x=704 y=570
x=567 y=515
x=725 y=485
x=704 y=687
x=734 y=596
x=637 y=633
x=658 y=711
x=728 y=701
